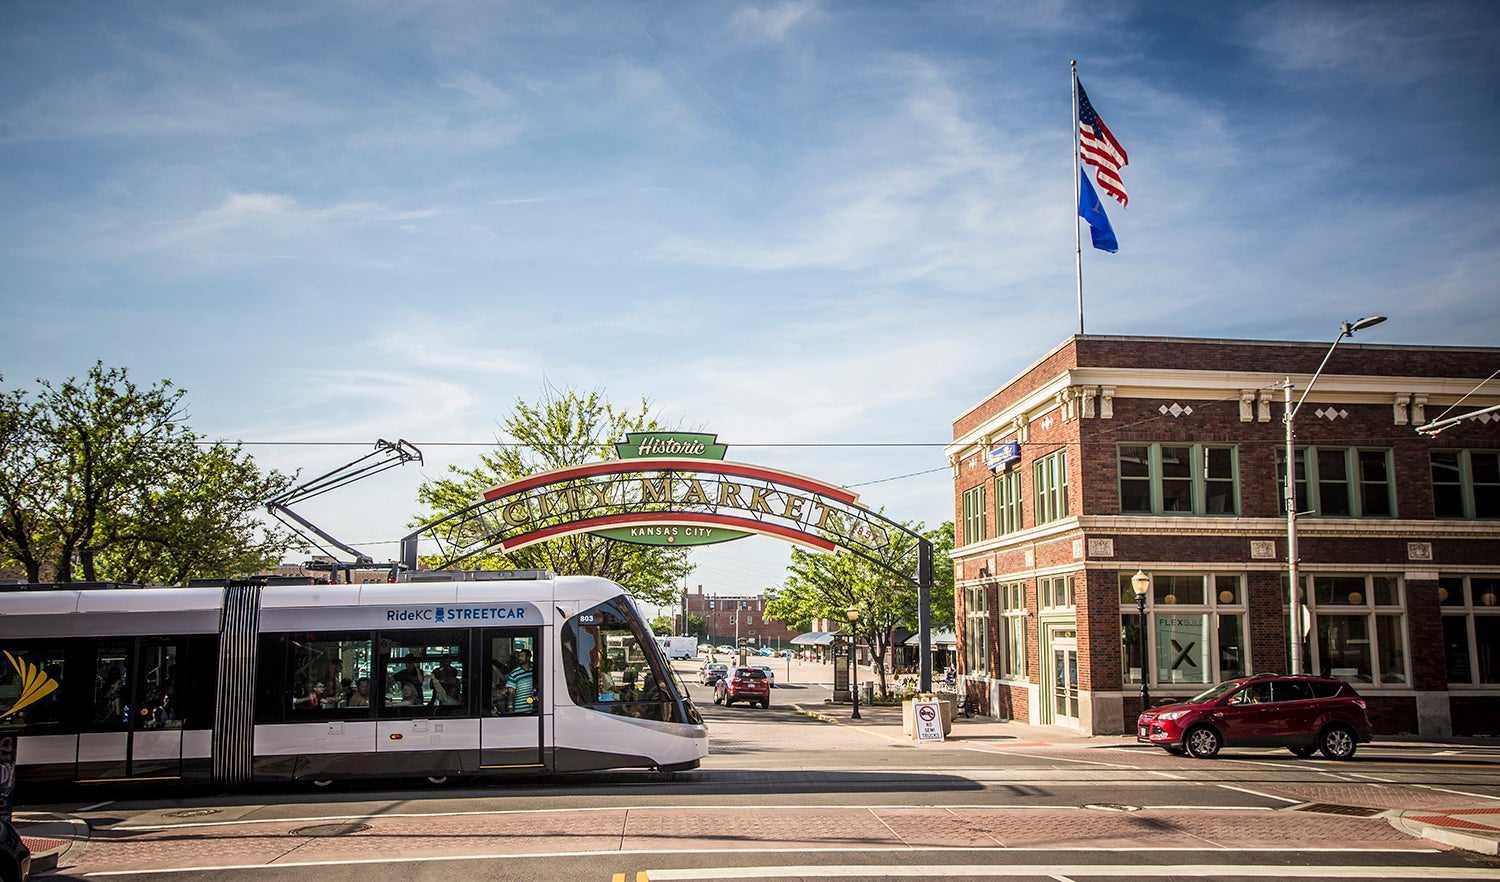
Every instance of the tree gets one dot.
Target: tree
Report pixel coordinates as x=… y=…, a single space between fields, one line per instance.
x=101 y=479
x=564 y=428
x=827 y=586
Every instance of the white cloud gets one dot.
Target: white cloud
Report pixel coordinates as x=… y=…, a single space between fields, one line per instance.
x=272 y=216
x=771 y=22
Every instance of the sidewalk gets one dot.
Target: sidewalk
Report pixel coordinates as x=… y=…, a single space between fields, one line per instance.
x=1472 y=827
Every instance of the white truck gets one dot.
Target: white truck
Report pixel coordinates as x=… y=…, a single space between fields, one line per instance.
x=679 y=647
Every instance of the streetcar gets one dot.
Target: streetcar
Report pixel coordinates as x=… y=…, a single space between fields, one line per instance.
x=236 y=683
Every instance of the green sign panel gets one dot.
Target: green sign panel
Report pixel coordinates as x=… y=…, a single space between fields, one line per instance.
x=671 y=534
x=682 y=445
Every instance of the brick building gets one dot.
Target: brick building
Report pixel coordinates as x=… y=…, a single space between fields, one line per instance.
x=1164 y=456
x=726 y=616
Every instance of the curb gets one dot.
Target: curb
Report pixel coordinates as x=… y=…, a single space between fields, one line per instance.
x=50 y=837
x=1402 y=820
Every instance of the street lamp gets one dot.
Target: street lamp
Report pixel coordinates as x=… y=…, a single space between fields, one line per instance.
x=853 y=613
x=1345 y=330
x=1140 y=583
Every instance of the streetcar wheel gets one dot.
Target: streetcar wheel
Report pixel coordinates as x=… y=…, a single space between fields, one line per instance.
x=322 y=782
x=437 y=779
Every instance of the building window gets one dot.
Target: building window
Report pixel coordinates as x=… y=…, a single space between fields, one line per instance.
x=1359 y=629
x=1471 y=628
x=1197 y=623
x=1013 y=630
x=1055 y=592
x=1466 y=483
x=1178 y=479
x=974 y=521
x=1008 y=503
x=976 y=632
x=1341 y=482
x=1049 y=483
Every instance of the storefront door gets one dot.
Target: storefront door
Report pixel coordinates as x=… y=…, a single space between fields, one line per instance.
x=1064 y=675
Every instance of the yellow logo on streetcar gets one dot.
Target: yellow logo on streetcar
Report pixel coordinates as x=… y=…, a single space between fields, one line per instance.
x=35 y=684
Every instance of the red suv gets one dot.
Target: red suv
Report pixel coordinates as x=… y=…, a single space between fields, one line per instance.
x=1300 y=713
x=743 y=684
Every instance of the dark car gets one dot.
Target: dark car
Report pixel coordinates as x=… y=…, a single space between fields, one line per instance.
x=15 y=858
x=743 y=684
x=712 y=673
x=1303 y=714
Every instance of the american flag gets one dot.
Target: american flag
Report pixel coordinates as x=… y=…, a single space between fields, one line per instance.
x=1100 y=149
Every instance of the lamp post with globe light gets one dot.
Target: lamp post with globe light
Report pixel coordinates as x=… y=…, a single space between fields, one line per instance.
x=1347 y=329
x=1140 y=583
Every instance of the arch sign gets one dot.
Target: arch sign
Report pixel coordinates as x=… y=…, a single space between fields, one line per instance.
x=677 y=489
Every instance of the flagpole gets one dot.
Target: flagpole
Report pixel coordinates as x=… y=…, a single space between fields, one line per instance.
x=1077 y=233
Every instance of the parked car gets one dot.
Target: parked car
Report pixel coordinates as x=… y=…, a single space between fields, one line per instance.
x=15 y=857
x=743 y=684
x=1301 y=713
x=770 y=674
x=712 y=673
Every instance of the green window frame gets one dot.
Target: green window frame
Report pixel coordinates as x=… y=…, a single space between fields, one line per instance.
x=1049 y=483
x=1179 y=479
x=1056 y=592
x=1008 y=503
x=1466 y=484
x=1013 y=630
x=1198 y=626
x=1471 y=629
x=1357 y=627
x=1341 y=482
x=976 y=632
x=974 y=515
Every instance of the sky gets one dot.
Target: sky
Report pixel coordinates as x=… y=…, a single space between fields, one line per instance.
x=820 y=230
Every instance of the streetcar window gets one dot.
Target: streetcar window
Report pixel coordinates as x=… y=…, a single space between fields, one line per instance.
x=611 y=663
x=111 y=685
x=31 y=693
x=325 y=672
x=514 y=676
x=423 y=672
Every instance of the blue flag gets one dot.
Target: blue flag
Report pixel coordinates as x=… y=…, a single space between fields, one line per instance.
x=1090 y=210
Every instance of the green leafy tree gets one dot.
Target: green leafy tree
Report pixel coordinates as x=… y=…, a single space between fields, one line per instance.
x=564 y=428
x=101 y=479
x=827 y=586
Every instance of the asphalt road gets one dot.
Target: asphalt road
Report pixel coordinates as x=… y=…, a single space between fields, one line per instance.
x=788 y=794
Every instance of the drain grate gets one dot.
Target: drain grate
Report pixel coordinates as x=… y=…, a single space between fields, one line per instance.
x=193 y=813
x=1323 y=808
x=330 y=829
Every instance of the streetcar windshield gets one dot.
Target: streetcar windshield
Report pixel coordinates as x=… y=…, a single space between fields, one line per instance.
x=612 y=663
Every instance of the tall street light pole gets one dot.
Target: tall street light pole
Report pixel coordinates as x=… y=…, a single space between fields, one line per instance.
x=1345 y=330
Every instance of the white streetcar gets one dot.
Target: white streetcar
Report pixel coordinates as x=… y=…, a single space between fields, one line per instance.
x=441 y=674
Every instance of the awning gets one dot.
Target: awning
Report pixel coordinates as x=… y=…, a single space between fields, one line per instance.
x=812 y=638
x=939 y=638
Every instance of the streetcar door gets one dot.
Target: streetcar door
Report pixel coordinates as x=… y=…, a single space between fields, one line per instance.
x=133 y=730
x=516 y=704
x=426 y=723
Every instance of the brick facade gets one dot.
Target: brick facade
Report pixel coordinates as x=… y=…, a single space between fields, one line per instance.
x=1090 y=395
